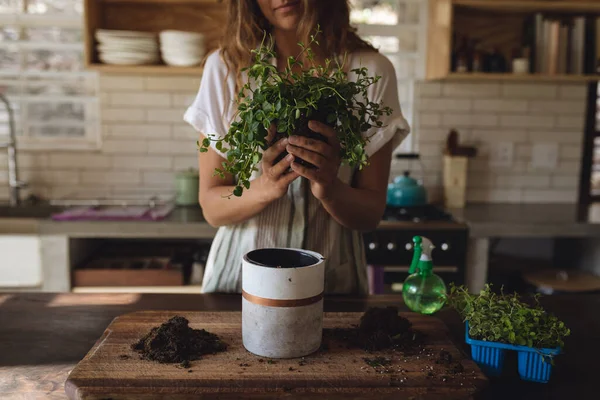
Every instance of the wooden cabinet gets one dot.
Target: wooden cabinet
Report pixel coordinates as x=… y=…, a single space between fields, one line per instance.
x=499 y=24
x=202 y=16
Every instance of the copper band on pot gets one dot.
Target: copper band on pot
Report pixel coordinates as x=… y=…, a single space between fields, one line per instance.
x=261 y=301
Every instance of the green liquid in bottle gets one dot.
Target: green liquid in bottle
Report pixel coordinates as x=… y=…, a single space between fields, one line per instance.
x=424 y=293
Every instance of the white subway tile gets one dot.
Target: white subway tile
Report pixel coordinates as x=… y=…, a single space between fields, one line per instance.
x=429 y=89
x=79 y=160
x=173 y=84
x=121 y=83
x=494 y=195
x=431 y=149
x=566 y=167
x=557 y=107
x=578 y=92
x=477 y=179
x=31 y=160
x=445 y=104
x=110 y=177
x=523 y=151
x=571 y=122
x=486 y=90
x=455 y=120
x=549 y=196
x=429 y=119
x=158 y=178
x=480 y=135
x=182 y=100
x=434 y=134
x=182 y=163
x=185 y=132
x=172 y=147
x=78 y=192
x=529 y=91
x=522 y=181
x=570 y=152
x=50 y=177
x=165 y=115
x=123 y=115
x=147 y=162
x=527 y=121
x=140 y=99
x=500 y=105
x=565 y=182
x=552 y=136
x=104 y=98
x=113 y=146
x=141 y=131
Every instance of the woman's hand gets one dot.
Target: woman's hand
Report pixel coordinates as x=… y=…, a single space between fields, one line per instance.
x=275 y=179
x=324 y=156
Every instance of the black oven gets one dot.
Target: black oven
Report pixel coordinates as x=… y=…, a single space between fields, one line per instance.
x=389 y=249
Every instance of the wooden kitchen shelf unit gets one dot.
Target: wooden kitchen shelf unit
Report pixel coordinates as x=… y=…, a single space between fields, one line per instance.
x=202 y=16
x=500 y=21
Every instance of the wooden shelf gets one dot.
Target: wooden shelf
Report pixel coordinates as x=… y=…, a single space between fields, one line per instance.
x=145 y=69
x=454 y=76
x=572 y=6
x=498 y=24
x=193 y=2
x=194 y=289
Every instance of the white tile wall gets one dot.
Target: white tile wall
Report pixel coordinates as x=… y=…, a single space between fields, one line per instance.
x=485 y=114
x=145 y=140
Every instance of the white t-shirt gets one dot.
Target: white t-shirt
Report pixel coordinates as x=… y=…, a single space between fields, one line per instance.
x=283 y=222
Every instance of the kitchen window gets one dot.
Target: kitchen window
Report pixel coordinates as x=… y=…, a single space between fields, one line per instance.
x=398 y=29
x=54 y=100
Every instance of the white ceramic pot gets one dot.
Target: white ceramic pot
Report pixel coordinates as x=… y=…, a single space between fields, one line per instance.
x=282 y=304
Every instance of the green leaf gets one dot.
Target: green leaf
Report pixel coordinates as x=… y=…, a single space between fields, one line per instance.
x=206 y=142
x=301 y=104
x=331 y=118
x=219 y=145
x=238 y=191
x=297 y=113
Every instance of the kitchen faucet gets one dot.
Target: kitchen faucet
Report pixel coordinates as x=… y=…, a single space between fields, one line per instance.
x=14 y=185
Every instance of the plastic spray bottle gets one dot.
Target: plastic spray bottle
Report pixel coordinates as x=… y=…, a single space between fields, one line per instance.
x=423 y=291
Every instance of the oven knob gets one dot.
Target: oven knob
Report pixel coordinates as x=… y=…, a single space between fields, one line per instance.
x=372 y=246
x=445 y=246
x=408 y=246
x=391 y=246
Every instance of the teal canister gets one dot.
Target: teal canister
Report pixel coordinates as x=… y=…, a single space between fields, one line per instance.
x=186 y=186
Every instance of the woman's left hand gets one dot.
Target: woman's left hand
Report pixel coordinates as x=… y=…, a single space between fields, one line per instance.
x=324 y=156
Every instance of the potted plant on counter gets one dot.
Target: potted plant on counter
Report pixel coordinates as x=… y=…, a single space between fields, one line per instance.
x=499 y=322
x=289 y=100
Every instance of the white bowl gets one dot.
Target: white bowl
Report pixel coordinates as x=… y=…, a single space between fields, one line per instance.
x=181 y=61
x=128 y=58
x=107 y=34
x=174 y=36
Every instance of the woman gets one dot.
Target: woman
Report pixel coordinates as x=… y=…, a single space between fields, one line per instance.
x=322 y=210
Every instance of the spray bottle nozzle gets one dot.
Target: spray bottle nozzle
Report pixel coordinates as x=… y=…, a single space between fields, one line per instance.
x=423 y=248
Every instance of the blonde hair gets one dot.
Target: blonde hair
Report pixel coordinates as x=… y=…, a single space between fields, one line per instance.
x=246 y=27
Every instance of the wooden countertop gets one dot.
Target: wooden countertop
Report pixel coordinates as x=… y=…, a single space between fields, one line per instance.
x=43 y=336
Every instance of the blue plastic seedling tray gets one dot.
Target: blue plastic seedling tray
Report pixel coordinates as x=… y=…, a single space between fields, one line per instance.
x=489 y=356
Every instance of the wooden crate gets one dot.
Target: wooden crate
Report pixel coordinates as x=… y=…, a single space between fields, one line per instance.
x=137 y=271
x=202 y=16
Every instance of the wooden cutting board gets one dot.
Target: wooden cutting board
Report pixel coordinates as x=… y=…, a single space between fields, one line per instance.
x=111 y=370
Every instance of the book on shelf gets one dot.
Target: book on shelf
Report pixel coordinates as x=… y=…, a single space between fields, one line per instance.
x=566 y=45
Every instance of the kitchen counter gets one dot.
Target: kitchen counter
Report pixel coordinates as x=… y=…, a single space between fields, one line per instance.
x=483 y=220
x=43 y=336
x=529 y=220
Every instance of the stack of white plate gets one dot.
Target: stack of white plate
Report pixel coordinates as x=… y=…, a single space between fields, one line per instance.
x=127 y=47
x=182 y=49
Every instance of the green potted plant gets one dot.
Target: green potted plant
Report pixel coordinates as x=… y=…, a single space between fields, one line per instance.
x=499 y=322
x=289 y=100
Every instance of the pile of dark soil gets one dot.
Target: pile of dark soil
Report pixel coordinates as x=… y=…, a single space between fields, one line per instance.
x=379 y=329
x=175 y=342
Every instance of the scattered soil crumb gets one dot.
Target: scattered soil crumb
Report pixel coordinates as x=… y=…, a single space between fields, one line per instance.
x=291 y=369
x=290 y=279
x=124 y=357
x=185 y=364
x=444 y=358
x=260 y=360
x=244 y=365
x=380 y=328
x=175 y=342
x=302 y=362
x=271 y=362
x=377 y=361
x=190 y=370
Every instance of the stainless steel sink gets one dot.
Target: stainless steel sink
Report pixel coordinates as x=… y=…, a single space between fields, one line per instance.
x=41 y=211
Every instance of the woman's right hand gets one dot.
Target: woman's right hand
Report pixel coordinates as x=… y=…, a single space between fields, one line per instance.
x=275 y=179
